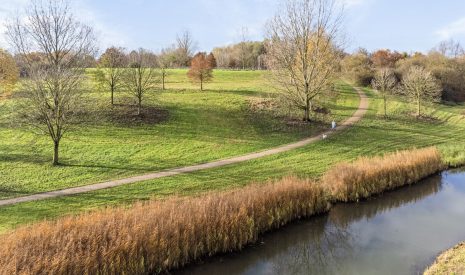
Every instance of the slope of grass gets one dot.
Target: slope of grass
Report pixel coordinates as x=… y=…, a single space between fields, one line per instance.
x=372 y=136
x=193 y=127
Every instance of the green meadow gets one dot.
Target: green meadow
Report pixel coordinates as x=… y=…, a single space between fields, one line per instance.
x=193 y=127
x=183 y=126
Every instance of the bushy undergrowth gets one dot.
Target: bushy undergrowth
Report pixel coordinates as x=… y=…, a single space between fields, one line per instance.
x=369 y=176
x=159 y=235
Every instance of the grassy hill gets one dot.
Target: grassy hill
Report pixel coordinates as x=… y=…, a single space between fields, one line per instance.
x=182 y=126
x=204 y=126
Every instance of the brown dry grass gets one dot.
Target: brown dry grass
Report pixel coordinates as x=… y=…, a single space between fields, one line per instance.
x=159 y=235
x=451 y=261
x=369 y=176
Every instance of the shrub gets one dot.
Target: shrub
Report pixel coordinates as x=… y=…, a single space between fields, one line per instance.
x=369 y=176
x=358 y=68
x=159 y=235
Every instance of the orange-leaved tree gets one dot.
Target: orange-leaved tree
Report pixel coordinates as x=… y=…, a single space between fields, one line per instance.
x=201 y=69
x=9 y=72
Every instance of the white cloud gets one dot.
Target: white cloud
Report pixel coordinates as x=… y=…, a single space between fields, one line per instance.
x=453 y=29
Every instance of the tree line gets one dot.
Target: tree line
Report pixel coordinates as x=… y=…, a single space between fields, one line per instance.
x=423 y=78
x=246 y=55
x=142 y=71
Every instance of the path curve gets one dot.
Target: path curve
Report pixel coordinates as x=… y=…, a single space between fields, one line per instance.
x=362 y=109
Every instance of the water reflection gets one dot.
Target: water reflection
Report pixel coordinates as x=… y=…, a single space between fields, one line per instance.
x=399 y=232
x=344 y=214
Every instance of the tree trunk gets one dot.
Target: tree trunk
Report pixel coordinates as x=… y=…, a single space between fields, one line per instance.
x=112 y=92
x=307 y=111
x=56 y=145
x=201 y=85
x=385 y=107
x=419 y=108
x=163 y=81
x=139 y=106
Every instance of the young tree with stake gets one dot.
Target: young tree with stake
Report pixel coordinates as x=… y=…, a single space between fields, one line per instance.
x=141 y=78
x=54 y=85
x=164 y=62
x=384 y=82
x=201 y=69
x=111 y=65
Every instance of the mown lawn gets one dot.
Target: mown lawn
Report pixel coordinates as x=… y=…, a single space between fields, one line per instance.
x=189 y=127
x=372 y=136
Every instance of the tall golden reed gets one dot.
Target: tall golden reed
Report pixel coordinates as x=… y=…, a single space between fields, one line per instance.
x=369 y=176
x=159 y=235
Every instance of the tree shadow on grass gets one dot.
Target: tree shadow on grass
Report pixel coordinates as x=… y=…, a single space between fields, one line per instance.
x=25 y=158
x=124 y=115
x=108 y=167
x=7 y=192
x=245 y=93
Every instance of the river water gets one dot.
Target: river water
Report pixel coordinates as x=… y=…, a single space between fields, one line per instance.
x=400 y=232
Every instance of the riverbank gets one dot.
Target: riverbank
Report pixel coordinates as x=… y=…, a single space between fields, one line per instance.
x=451 y=261
x=399 y=232
x=163 y=235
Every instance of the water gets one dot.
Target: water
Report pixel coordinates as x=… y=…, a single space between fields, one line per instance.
x=400 y=232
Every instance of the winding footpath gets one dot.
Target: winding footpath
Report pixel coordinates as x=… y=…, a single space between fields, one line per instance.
x=357 y=116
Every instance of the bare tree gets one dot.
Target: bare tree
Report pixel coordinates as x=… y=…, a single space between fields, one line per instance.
x=111 y=65
x=50 y=28
x=302 y=49
x=165 y=60
x=185 y=48
x=421 y=86
x=142 y=77
x=450 y=48
x=384 y=81
x=244 y=33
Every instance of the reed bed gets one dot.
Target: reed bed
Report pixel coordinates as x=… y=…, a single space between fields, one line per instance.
x=160 y=235
x=369 y=176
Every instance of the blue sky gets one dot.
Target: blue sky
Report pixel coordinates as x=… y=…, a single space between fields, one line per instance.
x=405 y=25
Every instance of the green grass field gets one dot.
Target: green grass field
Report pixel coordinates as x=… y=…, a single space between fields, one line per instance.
x=194 y=127
x=201 y=128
